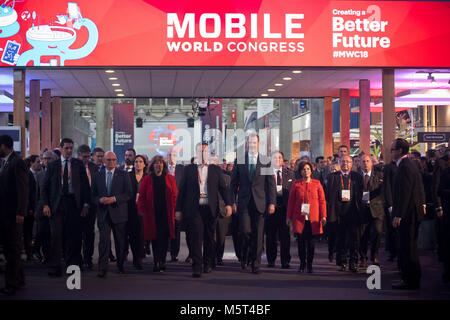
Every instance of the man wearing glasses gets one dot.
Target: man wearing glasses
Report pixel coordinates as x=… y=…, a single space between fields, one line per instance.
x=111 y=190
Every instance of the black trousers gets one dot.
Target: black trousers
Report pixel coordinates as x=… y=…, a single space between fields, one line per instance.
x=235 y=235
x=88 y=234
x=43 y=236
x=391 y=236
x=11 y=237
x=306 y=244
x=370 y=231
x=276 y=229
x=135 y=231
x=332 y=232
x=446 y=242
x=200 y=233
x=347 y=241
x=104 y=246
x=28 y=224
x=408 y=253
x=159 y=247
x=251 y=234
x=175 y=243
x=223 y=225
x=65 y=229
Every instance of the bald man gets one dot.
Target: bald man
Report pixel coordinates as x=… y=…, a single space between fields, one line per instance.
x=111 y=189
x=344 y=196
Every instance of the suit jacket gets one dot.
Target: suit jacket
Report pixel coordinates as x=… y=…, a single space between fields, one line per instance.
x=288 y=179
x=178 y=174
x=32 y=193
x=409 y=193
x=317 y=175
x=222 y=210
x=263 y=188
x=40 y=176
x=52 y=186
x=14 y=188
x=375 y=188
x=189 y=191
x=120 y=189
x=334 y=188
x=390 y=170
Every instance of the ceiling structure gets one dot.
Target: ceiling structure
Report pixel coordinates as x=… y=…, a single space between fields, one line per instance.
x=218 y=82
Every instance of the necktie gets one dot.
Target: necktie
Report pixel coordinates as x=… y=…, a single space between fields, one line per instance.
x=278 y=178
x=108 y=182
x=366 y=182
x=88 y=172
x=252 y=171
x=65 y=189
x=346 y=186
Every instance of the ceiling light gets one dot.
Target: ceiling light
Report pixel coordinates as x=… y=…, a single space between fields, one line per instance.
x=120 y=95
x=278 y=84
x=264 y=95
x=118 y=90
x=287 y=78
x=109 y=71
x=112 y=78
x=116 y=84
x=271 y=90
x=296 y=71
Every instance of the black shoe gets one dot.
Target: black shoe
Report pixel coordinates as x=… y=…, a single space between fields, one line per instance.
x=309 y=269
x=302 y=267
x=219 y=262
x=155 y=268
x=363 y=264
x=196 y=275
x=188 y=259
x=404 y=286
x=207 y=269
x=121 y=270
x=101 y=274
x=353 y=268
x=162 y=267
x=330 y=257
x=244 y=265
x=112 y=258
x=285 y=266
x=8 y=291
x=255 y=270
x=55 y=273
x=342 y=267
x=89 y=265
x=270 y=265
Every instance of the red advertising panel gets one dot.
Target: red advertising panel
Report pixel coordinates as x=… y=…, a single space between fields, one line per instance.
x=224 y=33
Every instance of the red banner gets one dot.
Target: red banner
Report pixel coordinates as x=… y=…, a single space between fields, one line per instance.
x=225 y=33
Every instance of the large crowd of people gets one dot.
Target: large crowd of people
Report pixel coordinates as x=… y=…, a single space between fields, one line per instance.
x=50 y=204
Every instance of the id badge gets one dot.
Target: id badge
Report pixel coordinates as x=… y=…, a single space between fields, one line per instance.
x=279 y=189
x=366 y=197
x=345 y=195
x=203 y=195
x=305 y=209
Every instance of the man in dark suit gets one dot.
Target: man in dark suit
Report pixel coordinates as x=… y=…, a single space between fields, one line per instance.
x=408 y=210
x=14 y=201
x=223 y=224
x=198 y=205
x=319 y=172
x=276 y=227
x=33 y=162
x=175 y=170
x=344 y=195
x=43 y=235
x=111 y=190
x=128 y=165
x=253 y=183
x=389 y=172
x=88 y=227
x=372 y=215
x=66 y=198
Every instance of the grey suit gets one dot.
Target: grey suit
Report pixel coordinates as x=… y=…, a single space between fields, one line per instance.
x=112 y=217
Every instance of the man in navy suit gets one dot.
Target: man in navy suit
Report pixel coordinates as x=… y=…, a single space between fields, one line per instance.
x=66 y=198
x=111 y=190
x=254 y=185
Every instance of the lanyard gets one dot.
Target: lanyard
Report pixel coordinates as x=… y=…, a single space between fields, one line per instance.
x=62 y=170
x=349 y=181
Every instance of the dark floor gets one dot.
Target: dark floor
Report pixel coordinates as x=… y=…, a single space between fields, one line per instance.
x=230 y=282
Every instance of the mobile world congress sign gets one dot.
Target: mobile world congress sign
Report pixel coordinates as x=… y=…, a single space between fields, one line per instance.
x=232 y=33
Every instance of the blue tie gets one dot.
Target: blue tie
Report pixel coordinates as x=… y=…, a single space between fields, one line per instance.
x=108 y=182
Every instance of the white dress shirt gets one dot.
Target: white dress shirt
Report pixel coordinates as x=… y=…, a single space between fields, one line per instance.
x=69 y=166
x=203 y=184
x=279 y=187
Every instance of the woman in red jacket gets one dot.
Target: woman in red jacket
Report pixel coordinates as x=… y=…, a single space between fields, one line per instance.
x=156 y=203
x=306 y=214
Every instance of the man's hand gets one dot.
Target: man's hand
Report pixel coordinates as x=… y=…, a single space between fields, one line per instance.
x=324 y=222
x=46 y=211
x=234 y=208
x=178 y=215
x=396 y=222
x=425 y=210
x=229 y=211
x=19 y=219
x=440 y=213
x=271 y=209
x=103 y=200
x=84 y=212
